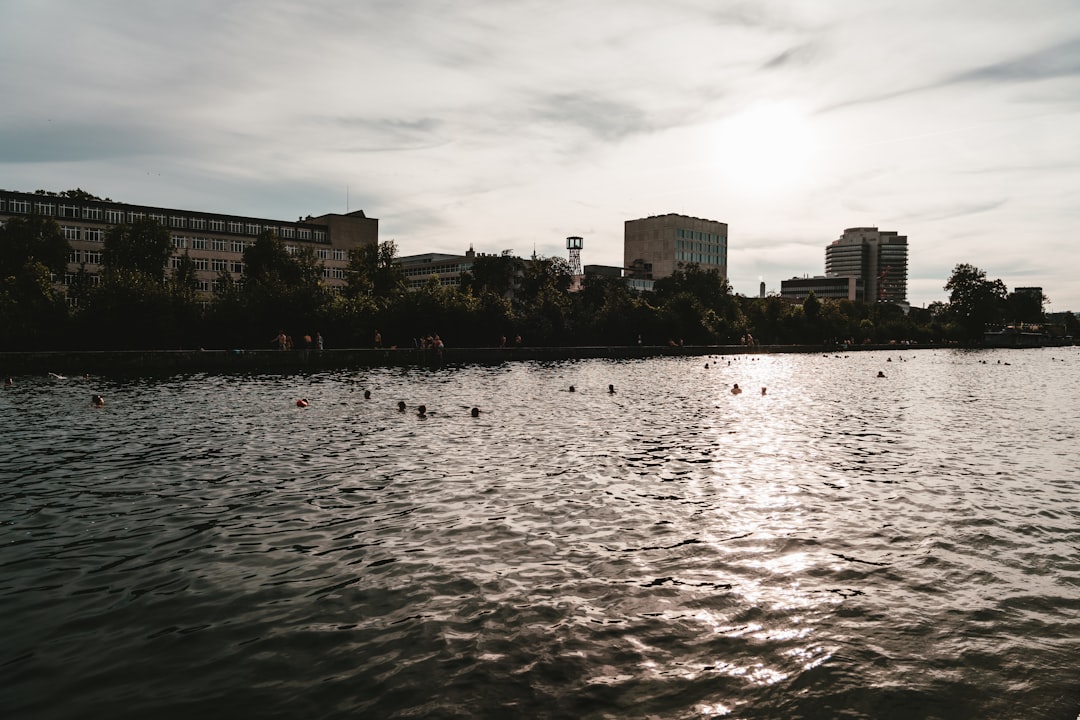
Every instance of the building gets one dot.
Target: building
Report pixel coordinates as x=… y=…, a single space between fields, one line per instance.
x=839 y=288
x=614 y=271
x=655 y=247
x=878 y=258
x=446 y=268
x=215 y=242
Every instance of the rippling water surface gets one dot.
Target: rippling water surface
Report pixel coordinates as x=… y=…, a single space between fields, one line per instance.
x=844 y=546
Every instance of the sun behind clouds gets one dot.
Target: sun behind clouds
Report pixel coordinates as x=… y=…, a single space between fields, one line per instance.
x=766 y=149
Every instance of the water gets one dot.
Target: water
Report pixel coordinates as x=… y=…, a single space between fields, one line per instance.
x=845 y=546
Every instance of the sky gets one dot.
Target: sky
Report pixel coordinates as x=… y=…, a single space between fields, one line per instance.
x=512 y=125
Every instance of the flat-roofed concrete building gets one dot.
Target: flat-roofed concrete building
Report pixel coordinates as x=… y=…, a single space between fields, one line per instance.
x=655 y=247
x=214 y=241
x=877 y=257
x=445 y=267
x=838 y=288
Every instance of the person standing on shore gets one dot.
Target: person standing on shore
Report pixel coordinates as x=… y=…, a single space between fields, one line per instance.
x=318 y=340
x=282 y=340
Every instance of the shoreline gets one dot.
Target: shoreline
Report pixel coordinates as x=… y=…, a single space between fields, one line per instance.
x=126 y=362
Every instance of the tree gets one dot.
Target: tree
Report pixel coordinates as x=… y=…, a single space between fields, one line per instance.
x=811 y=306
x=32 y=239
x=1025 y=307
x=974 y=301
x=493 y=273
x=374 y=271
x=143 y=247
x=267 y=262
x=31 y=312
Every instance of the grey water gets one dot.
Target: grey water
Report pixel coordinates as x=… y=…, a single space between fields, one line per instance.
x=843 y=546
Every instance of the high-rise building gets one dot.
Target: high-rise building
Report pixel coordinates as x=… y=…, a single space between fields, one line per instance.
x=879 y=258
x=213 y=241
x=655 y=247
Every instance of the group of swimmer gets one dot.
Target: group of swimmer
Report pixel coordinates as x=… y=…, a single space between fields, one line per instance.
x=421 y=410
x=736 y=390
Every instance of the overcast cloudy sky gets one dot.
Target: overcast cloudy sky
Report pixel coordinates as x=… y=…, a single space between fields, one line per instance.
x=503 y=124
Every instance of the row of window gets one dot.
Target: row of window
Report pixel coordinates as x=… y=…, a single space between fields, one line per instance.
x=698 y=235
x=180 y=242
x=700 y=246
x=702 y=258
x=116 y=216
x=200 y=285
x=436 y=270
x=90 y=257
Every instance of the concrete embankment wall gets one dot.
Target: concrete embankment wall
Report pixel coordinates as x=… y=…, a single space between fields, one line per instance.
x=153 y=362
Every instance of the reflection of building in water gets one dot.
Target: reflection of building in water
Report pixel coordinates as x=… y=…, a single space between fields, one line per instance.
x=214 y=242
x=840 y=288
x=879 y=258
x=655 y=247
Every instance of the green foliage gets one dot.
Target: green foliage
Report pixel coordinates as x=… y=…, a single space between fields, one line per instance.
x=140 y=247
x=32 y=239
x=374 y=272
x=1024 y=307
x=135 y=306
x=974 y=301
x=493 y=273
x=30 y=311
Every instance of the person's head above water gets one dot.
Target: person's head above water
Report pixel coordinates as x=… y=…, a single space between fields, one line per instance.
x=401 y=405
x=475 y=412
x=421 y=410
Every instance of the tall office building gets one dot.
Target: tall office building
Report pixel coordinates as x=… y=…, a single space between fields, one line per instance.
x=654 y=247
x=215 y=242
x=879 y=258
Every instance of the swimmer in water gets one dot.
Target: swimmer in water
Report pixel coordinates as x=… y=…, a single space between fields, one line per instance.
x=475 y=412
x=367 y=394
x=735 y=389
x=97 y=401
x=421 y=411
x=572 y=389
x=762 y=391
x=302 y=402
x=9 y=382
x=56 y=376
x=611 y=389
x=401 y=405
x=880 y=373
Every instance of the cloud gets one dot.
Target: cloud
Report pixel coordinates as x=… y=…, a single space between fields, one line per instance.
x=948 y=211
x=799 y=55
x=1061 y=60
x=603 y=118
x=388 y=134
x=62 y=141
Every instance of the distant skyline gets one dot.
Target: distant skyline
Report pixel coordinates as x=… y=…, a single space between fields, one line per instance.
x=512 y=125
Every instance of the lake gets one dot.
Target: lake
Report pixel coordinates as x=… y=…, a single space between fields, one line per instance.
x=843 y=546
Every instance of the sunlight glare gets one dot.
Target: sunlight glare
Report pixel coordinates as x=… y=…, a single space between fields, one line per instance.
x=766 y=149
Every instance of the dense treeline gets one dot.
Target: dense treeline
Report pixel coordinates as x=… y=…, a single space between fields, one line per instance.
x=135 y=304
